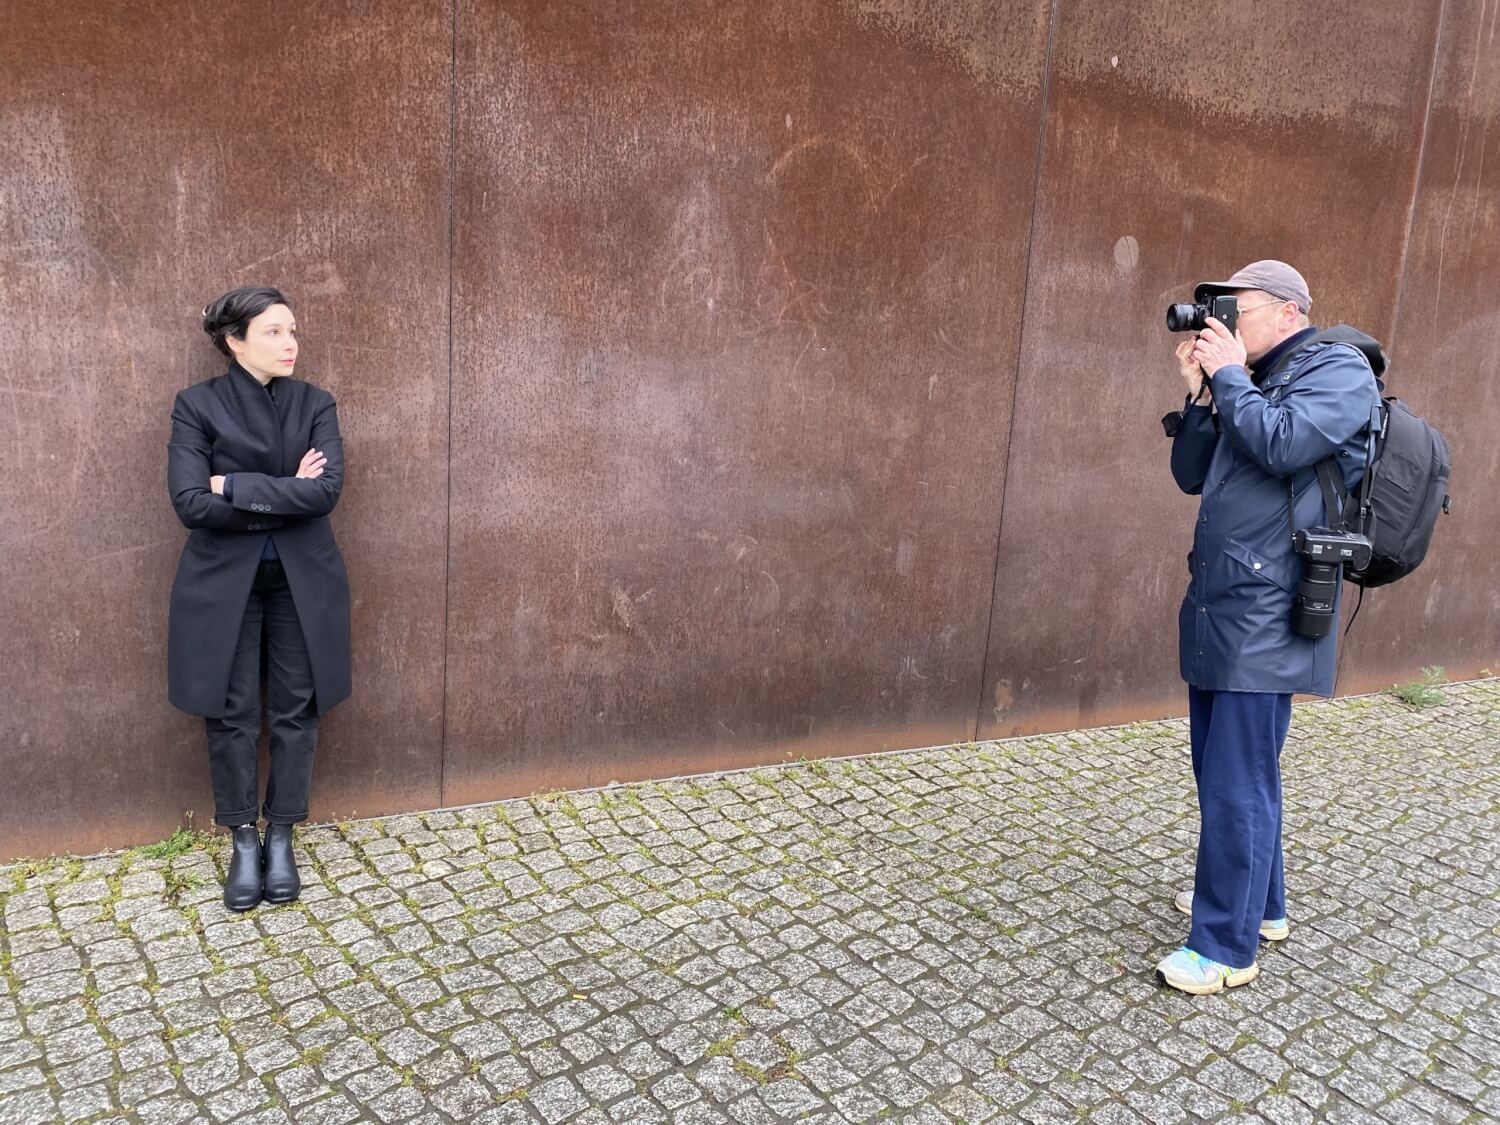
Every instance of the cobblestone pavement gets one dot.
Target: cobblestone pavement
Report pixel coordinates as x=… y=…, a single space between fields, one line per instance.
x=956 y=934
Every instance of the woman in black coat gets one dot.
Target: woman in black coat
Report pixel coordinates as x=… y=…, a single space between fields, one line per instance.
x=254 y=466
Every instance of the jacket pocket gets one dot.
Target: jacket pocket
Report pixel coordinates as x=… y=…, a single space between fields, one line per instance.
x=1261 y=566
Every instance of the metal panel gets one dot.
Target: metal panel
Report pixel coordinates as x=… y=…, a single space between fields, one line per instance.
x=738 y=306
x=1179 y=145
x=304 y=145
x=736 y=327
x=1446 y=363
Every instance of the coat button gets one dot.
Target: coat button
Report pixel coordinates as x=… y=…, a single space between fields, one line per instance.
x=1257 y=566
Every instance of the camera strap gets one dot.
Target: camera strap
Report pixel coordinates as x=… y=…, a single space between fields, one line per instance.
x=1335 y=497
x=1335 y=494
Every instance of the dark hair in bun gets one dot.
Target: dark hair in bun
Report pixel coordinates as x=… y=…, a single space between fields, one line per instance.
x=232 y=313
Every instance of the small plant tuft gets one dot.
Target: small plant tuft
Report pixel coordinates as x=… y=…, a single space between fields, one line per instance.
x=178 y=843
x=1422 y=691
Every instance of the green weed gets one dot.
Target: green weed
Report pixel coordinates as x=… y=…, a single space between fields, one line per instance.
x=1422 y=691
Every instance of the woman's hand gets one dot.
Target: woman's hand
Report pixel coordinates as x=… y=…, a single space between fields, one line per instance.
x=216 y=485
x=312 y=465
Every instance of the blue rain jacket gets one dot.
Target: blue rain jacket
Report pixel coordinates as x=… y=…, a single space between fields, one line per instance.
x=1235 y=625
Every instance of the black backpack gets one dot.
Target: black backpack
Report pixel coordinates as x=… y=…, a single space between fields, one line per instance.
x=1405 y=484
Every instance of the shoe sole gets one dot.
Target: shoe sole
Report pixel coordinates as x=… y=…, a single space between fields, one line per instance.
x=1233 y=980
x=1267 y=933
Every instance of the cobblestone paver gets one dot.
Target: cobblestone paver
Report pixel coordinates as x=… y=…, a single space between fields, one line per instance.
x=960 y=934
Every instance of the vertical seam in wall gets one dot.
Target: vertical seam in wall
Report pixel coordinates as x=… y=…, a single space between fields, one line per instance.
x=1015 y=390
x=1418 y=176
x=448 y=506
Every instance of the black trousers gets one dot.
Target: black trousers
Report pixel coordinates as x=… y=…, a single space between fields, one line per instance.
x=290 y=705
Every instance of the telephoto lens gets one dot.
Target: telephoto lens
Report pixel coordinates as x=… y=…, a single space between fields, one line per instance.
x=1312 y=610
x=1186 y=318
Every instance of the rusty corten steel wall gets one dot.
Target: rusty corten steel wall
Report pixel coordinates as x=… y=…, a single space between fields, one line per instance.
x=1166 y=163
x=152 y=156
x=720 y=382
x=1446 y=360
x=732 y=381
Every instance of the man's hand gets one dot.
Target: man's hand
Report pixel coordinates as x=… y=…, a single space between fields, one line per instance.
x=1192 y=374
x=312 y=464
x=1214 y=347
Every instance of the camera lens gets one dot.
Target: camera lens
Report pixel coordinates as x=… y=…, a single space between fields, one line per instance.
x=1185 y=318
x=1312 y=611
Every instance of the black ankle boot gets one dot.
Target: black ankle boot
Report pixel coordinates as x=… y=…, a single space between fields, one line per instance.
x=282 y=881
x=242 y=887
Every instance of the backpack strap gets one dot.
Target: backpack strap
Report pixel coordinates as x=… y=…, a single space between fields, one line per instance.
x=1372 y=453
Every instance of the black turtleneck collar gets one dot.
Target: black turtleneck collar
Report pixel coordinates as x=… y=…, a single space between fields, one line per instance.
x=1291 y=343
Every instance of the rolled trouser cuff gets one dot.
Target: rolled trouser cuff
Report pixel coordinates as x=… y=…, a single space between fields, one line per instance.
x=236 y=819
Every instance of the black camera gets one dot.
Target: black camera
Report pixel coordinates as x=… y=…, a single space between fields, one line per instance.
x=1192 y=318
x=1324 y=551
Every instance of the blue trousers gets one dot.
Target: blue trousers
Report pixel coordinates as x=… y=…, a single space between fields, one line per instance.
x=1237 y=738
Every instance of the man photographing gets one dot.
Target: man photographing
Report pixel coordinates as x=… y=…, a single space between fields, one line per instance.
x=1266 y=403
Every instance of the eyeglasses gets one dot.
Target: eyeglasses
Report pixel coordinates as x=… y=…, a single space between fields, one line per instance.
x=1262 y=305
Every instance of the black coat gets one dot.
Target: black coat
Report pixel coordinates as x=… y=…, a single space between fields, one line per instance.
x=229 y=424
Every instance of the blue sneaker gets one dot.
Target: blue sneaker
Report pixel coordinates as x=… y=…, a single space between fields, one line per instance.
x=1271 y=929
x=1191 y=972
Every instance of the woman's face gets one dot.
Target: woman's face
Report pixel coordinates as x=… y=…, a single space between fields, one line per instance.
x=269 y=348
